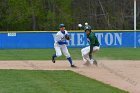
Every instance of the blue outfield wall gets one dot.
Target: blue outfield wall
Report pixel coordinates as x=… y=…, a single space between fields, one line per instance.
x=78 y=39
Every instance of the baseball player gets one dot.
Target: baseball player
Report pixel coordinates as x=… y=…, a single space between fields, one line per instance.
x=60 y=45
x=94 y=46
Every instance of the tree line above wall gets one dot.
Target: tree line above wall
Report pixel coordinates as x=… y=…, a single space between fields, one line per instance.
x=48 y=14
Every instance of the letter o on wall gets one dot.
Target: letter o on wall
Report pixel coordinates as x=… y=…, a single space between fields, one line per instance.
x=109 y=39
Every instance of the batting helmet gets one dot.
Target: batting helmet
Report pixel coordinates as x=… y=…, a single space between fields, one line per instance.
x=88 y=27
x=61 y=25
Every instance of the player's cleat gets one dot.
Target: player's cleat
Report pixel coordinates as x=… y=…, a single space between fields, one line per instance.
x=95 y=63
x=53 y=60
x=73 y=66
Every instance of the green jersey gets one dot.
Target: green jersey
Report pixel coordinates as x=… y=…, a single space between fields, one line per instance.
x=93 y=41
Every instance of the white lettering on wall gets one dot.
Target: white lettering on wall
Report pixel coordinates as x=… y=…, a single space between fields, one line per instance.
x=109 y=39
x=80 y=39
x=11 y=34
x=72 y=39
x=118 y=38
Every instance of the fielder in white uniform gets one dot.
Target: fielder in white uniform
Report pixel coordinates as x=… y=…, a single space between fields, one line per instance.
x=94 y=46
x=60 y=45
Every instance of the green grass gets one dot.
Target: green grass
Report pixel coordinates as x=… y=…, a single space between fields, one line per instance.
x=29 y=81
x=45 y=54
x=119 y=53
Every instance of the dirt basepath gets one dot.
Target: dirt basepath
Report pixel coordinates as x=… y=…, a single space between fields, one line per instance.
x=122 y=74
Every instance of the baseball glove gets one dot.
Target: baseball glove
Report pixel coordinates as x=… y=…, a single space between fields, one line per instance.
x=67 y=37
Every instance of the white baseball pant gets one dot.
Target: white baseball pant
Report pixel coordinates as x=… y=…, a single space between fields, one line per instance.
x=61 y=48
x=85 y=53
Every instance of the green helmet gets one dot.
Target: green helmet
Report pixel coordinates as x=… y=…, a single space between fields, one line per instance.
x=88 y=27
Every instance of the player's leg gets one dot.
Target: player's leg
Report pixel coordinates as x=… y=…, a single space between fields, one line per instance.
x=57 y=54
x=67 y=54
x=84 y=52
x=85 y=55
x=96 y=48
